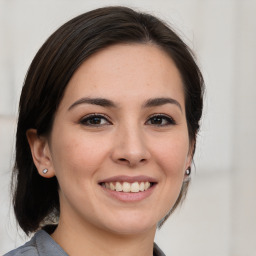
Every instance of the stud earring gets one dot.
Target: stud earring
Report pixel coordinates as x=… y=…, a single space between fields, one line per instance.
x=45 y=171
x=188 y=171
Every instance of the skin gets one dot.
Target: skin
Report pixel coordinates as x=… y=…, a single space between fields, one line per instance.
x=125 y=141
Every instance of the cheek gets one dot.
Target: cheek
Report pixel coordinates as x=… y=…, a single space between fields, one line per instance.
x=172 y=155
x=75 y=153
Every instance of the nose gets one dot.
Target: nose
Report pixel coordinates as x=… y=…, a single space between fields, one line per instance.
x=130 y=147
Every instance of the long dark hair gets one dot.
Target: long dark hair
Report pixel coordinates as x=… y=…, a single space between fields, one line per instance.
x=35 y=199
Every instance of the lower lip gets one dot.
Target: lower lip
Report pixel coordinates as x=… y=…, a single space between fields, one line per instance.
x=129 y=197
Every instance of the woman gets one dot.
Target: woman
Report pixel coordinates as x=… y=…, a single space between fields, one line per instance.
x=109 y=114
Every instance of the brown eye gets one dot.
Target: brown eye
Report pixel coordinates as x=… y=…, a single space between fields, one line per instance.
x=157 y=120
x=95 y=120
x=160 y=120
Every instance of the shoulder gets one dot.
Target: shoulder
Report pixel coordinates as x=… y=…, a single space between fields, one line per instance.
x=158 y=251
x=28 y=249
x=41 y=244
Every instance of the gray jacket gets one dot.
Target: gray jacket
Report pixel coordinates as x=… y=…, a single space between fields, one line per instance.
x=43 y=245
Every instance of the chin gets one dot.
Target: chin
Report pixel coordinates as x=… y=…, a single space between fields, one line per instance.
x=130 y=225
x=132 y=229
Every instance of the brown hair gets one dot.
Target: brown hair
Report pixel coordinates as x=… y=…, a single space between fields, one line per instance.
x=35 y=199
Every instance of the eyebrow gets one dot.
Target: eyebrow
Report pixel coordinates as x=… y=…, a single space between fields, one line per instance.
x=154 y=102
x=94 y=101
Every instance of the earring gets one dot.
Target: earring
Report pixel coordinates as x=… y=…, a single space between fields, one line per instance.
x=188 y=171
x=45 y=171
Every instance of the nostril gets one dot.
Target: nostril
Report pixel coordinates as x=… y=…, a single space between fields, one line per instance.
x=132 y=161
x=126 y=161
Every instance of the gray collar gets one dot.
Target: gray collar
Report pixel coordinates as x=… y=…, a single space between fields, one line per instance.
x=42 y=244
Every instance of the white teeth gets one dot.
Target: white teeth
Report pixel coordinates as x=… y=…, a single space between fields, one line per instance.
x=127 y=187
x=142 y=186
x=147 y=185
x=135 y=187
x=112 y=186
x=119 y=186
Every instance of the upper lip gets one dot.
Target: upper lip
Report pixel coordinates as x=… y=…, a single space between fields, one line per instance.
x=130 y=179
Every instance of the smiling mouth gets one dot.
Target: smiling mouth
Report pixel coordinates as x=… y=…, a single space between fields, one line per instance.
x=127 y=187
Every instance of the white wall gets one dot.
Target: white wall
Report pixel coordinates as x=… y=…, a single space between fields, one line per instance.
x=219 y=216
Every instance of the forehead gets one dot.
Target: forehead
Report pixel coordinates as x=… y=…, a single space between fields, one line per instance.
x=126 y=71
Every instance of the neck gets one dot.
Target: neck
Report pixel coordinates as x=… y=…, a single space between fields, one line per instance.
x=85 y=239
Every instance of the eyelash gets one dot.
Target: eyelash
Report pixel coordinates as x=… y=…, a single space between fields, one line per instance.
x=169 y=120
x=85 y=121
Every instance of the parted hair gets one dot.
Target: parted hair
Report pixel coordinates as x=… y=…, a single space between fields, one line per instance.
x=36 y=199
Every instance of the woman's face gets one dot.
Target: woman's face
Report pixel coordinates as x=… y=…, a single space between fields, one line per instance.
x=119 y=145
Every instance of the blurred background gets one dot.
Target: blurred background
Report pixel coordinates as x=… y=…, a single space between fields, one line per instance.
x=218 y=218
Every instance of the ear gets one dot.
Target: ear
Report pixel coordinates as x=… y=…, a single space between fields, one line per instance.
x=40 y=152
x=189 y=157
